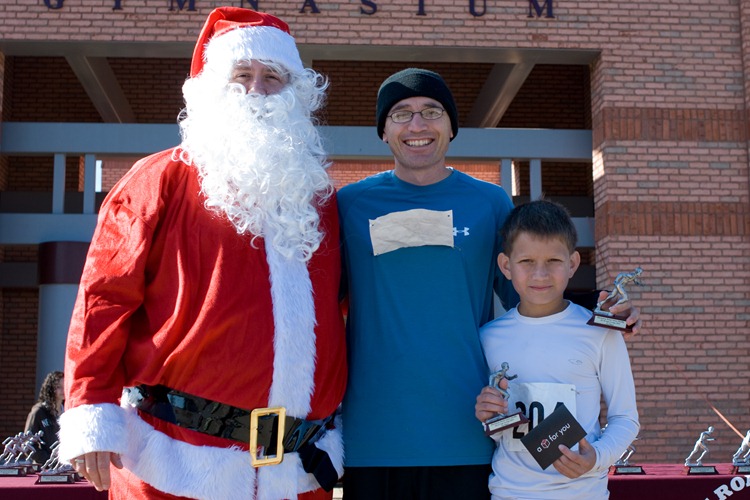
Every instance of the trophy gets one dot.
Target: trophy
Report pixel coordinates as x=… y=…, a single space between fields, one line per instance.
x=700 y=450
x=16 y=457
x=30 y=446
x=741 y=458
x=54 y=472
x=501 y=421
x=623 y=465
x=606 y=319
x=9 y=465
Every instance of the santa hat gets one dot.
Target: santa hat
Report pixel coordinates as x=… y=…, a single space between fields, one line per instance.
x=233 y=34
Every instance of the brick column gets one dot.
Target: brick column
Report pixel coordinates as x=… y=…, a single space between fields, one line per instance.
x=745 y=39
x=671 y=195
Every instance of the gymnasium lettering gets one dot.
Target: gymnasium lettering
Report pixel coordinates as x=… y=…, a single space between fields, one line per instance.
x=476 y=8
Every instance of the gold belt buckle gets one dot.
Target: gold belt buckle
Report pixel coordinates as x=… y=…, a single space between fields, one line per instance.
x=258 y=458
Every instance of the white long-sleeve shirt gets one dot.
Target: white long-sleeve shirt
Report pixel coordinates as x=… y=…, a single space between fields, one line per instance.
x=560 y=358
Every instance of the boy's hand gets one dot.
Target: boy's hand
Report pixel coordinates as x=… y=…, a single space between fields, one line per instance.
x=572 y=464
x=490 y=402
x=634 y=314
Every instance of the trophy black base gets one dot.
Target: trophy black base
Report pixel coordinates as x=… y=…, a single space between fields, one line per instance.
x=610 y=321
x=64 y=478
x=13 y=471
x=502 y=422
x=741 y=469
x=701 y=470
x=628 y=469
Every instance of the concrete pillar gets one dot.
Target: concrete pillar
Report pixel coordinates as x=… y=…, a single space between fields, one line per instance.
x=60 y=268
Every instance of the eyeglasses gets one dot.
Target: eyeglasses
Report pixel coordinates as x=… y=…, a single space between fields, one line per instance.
x=404 y=116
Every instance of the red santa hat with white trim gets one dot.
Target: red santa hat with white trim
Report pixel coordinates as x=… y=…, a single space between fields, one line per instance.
x=233 y=34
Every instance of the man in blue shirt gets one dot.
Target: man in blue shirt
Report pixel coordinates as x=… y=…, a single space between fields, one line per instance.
x=420 y=244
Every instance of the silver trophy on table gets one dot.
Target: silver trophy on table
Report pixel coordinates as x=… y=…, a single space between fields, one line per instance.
x=55 y=472
x=9 y=457
x=694 y=461
x=623 y=465
x=741 y=457
x=16 y=457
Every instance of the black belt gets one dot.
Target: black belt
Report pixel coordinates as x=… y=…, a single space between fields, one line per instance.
x=225 y=421
x=222 y=420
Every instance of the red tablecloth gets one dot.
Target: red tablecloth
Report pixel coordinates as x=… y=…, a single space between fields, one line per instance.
x=672 y=482
x=659 y=481
x=24 y=488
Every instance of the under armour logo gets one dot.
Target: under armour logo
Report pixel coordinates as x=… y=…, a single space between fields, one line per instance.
x=465 y=231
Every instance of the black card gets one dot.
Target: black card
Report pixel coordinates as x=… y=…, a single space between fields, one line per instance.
x=560 y=427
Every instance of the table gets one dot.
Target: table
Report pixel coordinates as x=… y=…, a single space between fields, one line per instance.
x=659 y=481
x=671 y=482
x=23 y=488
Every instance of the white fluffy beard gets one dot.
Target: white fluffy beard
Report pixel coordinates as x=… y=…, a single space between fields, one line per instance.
x=260 y=162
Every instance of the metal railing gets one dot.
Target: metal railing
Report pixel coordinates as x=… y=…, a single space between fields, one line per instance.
x=60 y=140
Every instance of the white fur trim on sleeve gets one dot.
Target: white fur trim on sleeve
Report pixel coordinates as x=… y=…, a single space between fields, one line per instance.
x=332 y=443
x=87 y=428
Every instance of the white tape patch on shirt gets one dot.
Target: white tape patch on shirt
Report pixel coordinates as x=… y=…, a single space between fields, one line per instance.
x=411 y=228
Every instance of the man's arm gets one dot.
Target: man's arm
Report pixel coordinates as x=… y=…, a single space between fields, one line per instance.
x=111 y=289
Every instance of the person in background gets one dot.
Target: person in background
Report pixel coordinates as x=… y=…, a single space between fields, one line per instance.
x=420 y=245
x=211 y=289
x=44 y=415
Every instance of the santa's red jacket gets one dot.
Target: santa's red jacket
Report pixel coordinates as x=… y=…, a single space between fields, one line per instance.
x=172 y=295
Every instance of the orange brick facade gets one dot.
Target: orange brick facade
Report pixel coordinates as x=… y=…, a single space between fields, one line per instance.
x=666 y=99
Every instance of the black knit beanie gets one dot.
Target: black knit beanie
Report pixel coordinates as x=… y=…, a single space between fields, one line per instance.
x=414 y=82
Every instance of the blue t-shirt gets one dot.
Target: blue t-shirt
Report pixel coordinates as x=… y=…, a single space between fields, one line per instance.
x=415 y=360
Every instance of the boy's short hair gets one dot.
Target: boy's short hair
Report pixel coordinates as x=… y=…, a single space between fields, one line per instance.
x=542 y=218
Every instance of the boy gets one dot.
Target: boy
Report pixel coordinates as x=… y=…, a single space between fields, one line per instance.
x=557 y=358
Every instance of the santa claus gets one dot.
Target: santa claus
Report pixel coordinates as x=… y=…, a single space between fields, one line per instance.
x=207 y=317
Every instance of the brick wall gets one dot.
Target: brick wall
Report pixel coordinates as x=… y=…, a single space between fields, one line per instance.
x=18 y=351
x=153 y=87
x=559 y=96
x=52 y=94
x=354 y=87
x=671 y=195
x=3 y=186
x=558 y=179
x=4 y=102
x=346 y=172
x=34 y=173
x=113 y=169
x=18 y=332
